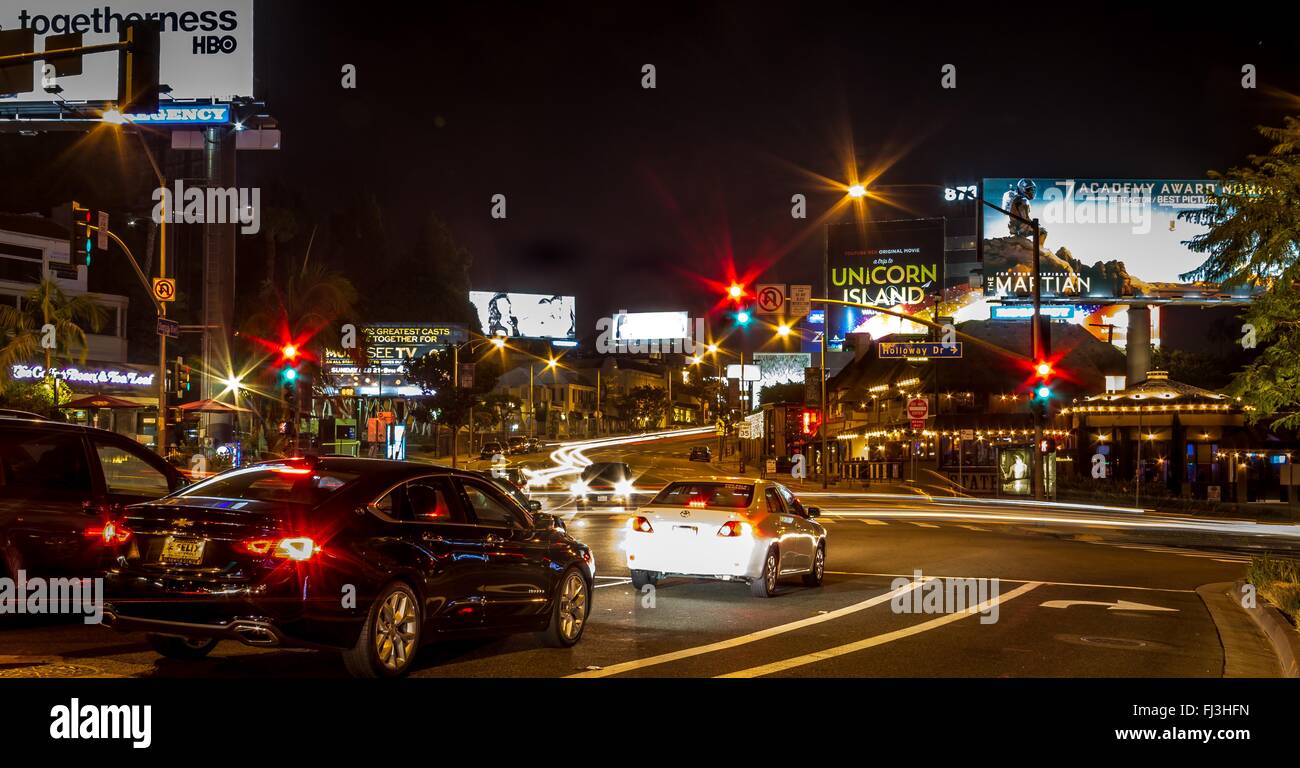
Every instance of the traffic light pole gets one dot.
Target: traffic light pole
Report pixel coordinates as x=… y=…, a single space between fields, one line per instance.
x=824 y=427
x=455 y=387
x=1036 y=339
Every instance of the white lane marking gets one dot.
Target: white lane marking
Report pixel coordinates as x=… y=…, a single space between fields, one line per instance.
x=887 y=637
x=1021 y=581
x=752 y=637
x=973 y=528
x=1209 y=524
x=620 y=582
x=1118 y=605
x=869 y=521
x=920 y=525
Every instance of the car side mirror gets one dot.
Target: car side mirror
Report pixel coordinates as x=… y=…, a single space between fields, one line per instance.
x=545 y=522
x=534 y=505
x=813 y=512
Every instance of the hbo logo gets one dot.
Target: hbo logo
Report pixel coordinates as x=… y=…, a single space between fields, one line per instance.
x=214 y=44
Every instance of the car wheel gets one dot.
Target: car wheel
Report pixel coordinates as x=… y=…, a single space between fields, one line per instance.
x=765 y=584
x=569 y=610
x=641 y=578
x=182 y=648
x=814 y=577
x=390 y=637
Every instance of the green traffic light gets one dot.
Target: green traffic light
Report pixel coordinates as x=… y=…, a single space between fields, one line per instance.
x=742 y=317
x=289 y=374
x=1044 y=392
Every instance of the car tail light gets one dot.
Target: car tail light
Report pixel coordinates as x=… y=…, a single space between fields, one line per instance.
x=697 y=503
x=733 y=528
x=110 y=533
x=293 y=548
x=298 y=548
x=640 y=525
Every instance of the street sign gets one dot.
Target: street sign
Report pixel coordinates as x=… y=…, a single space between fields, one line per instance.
x=770 y=298
x=896 y=349
x=918 y=408
x=164 y=289
x=465 y=379
x=168 y=327
x=771 y=466
x=101 y=241
x=800 y=303
x=742 y=430
x=968 y=434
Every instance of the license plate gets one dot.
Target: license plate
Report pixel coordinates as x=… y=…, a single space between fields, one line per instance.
x=689 y=530
x=182 y=551
x=602 y=498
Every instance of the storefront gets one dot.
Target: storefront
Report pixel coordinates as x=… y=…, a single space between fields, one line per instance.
x=117 y=397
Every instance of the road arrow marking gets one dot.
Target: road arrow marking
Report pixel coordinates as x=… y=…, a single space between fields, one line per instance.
x=1118 y=605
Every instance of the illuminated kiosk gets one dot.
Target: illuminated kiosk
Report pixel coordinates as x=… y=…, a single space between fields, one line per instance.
x=1188 y=441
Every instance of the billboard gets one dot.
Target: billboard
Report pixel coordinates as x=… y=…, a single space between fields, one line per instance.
x=385 y=347
x=635 y=326
x=781 y=368
x=526 y=315
x=206 y=47
x=894 y=264
x=1100 y=238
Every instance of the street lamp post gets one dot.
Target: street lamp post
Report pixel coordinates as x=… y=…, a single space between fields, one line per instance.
x=472 y=344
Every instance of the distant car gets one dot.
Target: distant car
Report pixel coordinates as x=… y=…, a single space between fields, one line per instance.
x=512 y=476
x=604 y=483
x=534 y=445
x=736 y=530
x=490 y=449
x=261 y=555
x=63 y=488
x=701 y=453
x=519 y=494
x=518 y=445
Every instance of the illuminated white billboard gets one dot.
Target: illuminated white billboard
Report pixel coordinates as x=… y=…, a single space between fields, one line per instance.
x=633 y=326
x=526 y=315
x=206 y=47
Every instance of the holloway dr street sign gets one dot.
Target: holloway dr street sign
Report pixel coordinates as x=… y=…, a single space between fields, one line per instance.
x=896 y=349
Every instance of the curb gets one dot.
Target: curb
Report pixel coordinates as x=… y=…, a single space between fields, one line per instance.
x=1280 y=633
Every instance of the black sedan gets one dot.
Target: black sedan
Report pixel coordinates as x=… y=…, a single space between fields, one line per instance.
x=370 y=557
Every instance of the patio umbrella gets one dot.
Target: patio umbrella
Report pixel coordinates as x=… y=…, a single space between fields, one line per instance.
x=213 y=406
x=100 y=401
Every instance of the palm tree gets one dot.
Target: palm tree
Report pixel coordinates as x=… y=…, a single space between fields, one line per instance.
x=23 y=327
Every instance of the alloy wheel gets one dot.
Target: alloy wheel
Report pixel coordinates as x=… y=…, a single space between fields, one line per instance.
x=396 y=629
x=573 y=606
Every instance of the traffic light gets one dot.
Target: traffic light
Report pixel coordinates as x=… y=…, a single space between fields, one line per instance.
x=736 y=292
x=743 y=317
x=137 y=67
x=1042 y=381
x=81 y=237
x=181 y=377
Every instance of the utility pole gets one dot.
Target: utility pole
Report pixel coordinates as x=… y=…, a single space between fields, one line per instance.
x=826 y=327
x=1036 y=466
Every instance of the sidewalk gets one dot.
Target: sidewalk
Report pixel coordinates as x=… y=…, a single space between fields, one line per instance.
x=730 y=468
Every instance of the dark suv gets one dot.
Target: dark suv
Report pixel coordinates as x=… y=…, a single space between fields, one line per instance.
x=62 y=492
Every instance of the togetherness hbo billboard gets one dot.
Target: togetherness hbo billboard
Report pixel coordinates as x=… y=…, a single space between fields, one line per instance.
x=892 y=264
x=206 y=48
x=638 y=326
x=526 y=315
x=1099 y=238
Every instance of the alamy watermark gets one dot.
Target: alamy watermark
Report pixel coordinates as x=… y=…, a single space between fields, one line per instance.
x=651 y=333
x=209 y=205
x=40 y=596
x=936 y=595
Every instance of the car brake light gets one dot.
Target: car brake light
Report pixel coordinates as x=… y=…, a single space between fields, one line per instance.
x=641 y=525
x=697 y=503
x=299 y=548
x=734 y=528
x=292 y=470
x=110 y=533
x=295 y=548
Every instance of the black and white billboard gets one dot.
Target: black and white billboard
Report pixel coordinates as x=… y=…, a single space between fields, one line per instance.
x=526 y=315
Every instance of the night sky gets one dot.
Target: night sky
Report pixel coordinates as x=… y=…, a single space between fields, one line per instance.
x=623 y=195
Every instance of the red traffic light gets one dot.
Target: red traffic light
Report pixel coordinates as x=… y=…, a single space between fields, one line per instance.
x=736 y=291
x=1043 y=369
x=289 y=352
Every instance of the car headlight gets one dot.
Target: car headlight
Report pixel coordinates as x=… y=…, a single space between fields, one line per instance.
x=578 y=488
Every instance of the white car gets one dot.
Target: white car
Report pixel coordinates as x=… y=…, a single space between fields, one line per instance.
x=730 y=529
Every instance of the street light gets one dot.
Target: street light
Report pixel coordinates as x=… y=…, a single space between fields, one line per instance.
x=472 y=344
x=783 y=330
x=857 y=191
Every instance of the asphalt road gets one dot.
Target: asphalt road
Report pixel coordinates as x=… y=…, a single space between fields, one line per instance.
x=1078 y=593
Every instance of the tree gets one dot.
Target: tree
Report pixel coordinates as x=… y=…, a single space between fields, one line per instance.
x=450 y=405
x=789 y=392
x=1253 y=240
x=41 y=397
x=644 y=406
x=23 y=327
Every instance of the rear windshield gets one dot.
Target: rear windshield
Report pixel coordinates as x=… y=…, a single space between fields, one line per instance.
x=278 y=483
x=612 y=473
x=724 y=495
